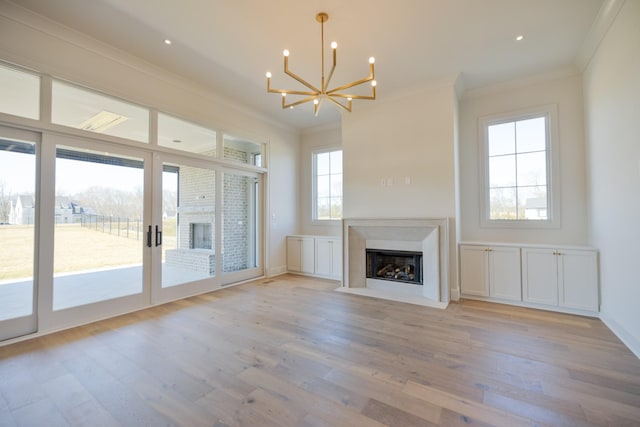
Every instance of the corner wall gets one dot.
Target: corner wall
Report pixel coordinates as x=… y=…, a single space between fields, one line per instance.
x=612 y=103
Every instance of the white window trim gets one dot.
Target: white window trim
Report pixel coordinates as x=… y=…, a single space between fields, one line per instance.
x=553 y=162
x=314 y=198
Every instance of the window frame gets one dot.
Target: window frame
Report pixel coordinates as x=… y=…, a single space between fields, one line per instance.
x=550 y=113
x=314 y=187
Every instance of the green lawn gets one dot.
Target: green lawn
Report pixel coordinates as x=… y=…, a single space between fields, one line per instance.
x=76 y=248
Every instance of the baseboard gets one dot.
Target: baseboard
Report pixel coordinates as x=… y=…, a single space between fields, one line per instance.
x=454 y=294
x=276 y=271
x=629 y=340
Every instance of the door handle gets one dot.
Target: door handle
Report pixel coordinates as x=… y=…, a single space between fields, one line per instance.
x=149 y=237
x=158 y=236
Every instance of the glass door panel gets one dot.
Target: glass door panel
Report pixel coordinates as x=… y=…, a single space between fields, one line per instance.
x=99 y=234
x=188 y=224
x=17 y=235
x=241 y=219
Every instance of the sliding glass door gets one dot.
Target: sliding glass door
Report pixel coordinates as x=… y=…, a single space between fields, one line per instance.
x=91 y=229
x=99 y=228
x=18 y=195
x=241 y=226
x=185 y=263
x=101 y=232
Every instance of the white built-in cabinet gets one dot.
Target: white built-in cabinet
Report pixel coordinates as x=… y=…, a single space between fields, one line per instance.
x=315 y=255
x=566 y=278
x=490 y=271
x=561 y=279
x=328 y=257
x=301 y=254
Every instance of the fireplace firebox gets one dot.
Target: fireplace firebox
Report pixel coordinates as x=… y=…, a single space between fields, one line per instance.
x=398 y=266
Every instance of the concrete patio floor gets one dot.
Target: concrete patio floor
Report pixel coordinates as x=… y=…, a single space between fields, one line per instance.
x=79 y=288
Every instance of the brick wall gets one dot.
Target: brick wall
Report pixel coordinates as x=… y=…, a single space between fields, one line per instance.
x=196 y=204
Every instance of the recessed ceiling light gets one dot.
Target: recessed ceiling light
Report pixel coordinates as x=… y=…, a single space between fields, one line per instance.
x=519 y=38
x=177 y=141
x=167 y=41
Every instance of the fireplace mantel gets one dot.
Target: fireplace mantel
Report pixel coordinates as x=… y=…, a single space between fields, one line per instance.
x=430 y=235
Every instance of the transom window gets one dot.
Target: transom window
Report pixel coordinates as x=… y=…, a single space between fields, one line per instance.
x=517 y=168
x=327 y=185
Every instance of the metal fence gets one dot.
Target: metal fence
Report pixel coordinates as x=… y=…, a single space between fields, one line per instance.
x=115 y=225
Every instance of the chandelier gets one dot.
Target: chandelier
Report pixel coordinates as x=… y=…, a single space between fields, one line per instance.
x=317 y=95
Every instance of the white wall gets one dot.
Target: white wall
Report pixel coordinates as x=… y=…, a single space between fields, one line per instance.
x=566 y=92
x=399 y=159
x=392 y=140
x=31 y=41
x=612 y=106
x=315 y=139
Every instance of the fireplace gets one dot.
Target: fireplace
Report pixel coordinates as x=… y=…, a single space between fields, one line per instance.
x=200 y=235
x=395 y=266
x=418 y=247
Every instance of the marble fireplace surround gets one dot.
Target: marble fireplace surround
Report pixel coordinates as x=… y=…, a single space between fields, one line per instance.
x=431 y=236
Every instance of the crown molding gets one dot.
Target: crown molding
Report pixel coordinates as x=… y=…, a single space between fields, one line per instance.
x=605 y=18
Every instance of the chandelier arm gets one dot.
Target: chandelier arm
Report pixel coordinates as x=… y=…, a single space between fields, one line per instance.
x=302 y=101
x=287 y=91
x=333 y=68
x=356 y=83
x=349 y=85
x=293 y=92
x=293 y=75
x=339 y=104
x=346 y=95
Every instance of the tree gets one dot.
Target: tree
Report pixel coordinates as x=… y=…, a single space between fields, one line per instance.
x=5 y=202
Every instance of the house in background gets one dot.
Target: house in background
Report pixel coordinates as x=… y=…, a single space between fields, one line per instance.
x=69 y=212
x=420 y=145
x=22 y=210
x=66 y=212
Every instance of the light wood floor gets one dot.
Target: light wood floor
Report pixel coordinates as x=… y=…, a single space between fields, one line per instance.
x=292 y=352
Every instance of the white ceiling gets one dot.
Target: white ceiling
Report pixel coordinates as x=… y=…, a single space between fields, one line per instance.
x=228 y=45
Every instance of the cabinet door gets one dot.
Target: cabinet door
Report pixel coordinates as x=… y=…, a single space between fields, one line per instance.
x=293 y=254
x=329 y=257
x=324 y=257
x=504 y=273
x=307 y=255
x=474 y=278
x=578 y=279
x=540 y=276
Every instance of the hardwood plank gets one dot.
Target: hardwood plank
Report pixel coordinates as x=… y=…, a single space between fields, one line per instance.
x=392 y=416
x=484 y=413
x=289 y=351
x=317 y=405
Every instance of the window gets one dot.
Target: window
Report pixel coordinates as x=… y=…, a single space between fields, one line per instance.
x=185 y=136
x=517 y=153
x=85 y=109
x=242 y=150
x=20 y=93
x=327 y=185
